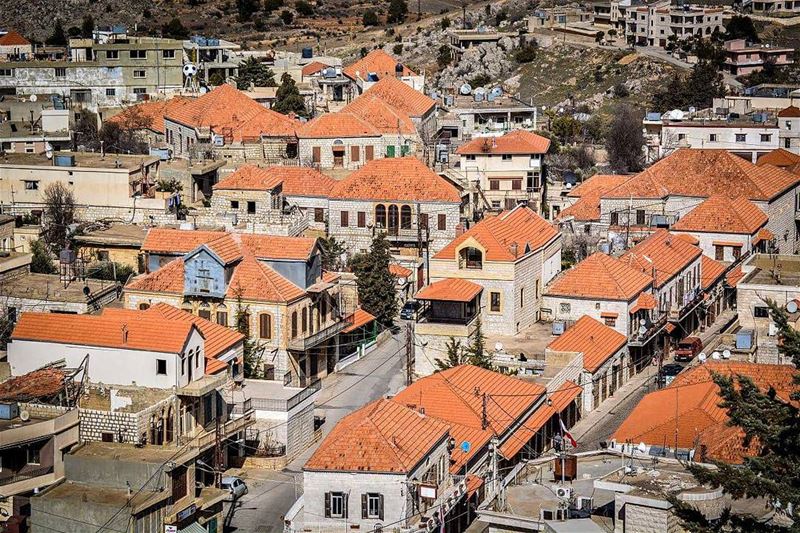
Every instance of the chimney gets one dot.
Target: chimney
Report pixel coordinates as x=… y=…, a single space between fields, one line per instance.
x=459 y=230
x=124 y=333
x=514 y=249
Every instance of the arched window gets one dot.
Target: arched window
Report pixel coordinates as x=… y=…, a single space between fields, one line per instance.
x=305 y=319
x=394 y=217
x=204 y=311
x=144 y=306
x=222 y=315
x=405 y=217
x=470 y=258
x=380 y=216
x=265 y=326
x=294 y=324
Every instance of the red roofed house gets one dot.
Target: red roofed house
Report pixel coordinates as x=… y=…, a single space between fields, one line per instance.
x=273 y=200
x=434 y=436
x=270 y=285
x=14 y=46
x=400 y=196
x=789 y=129
x=228 y=124
x=377 y=65
x=672 y=187
x=148 y=117
x=509 y=168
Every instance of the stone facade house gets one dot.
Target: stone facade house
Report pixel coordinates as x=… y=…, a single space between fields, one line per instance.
x=409 y=99
x=148 y=118
x=376 y=66
x=401 y=197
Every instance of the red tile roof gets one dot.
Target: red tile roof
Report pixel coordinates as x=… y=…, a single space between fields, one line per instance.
x=231 y=113
x=399 y=271
x=381 y=115
x=402 y=96
x=383 y=436
x=734 y=276
x=705 y=173
x=39 y=385
x=450 y=290
x=602 y=277
x=722 y=214
x=598 y=183
x=595 y=340
x=149 y=115
x=376 y=62
x=178 y=242
x=402 y=179
x=779 y=158
x=143 y=333
x=763 y=235
x=335 y=125
x=667 y=254
x=251 y=178
x=12 y=38
x=313 y=68
x=498 y=234
x=358 y=319
x=710 y=272
x=789 y=112
x=645 y=301
x=688 y=410
x=587 y=208
x=297 y=181
x=515 y=142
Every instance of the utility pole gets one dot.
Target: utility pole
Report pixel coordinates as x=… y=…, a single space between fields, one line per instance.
x=497 y=486
x=484 y=421
x=409 y=354
x=218 y=459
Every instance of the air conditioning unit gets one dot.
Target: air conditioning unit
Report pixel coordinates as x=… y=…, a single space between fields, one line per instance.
x=565 y=493
x=585 y=503
x=553 y=515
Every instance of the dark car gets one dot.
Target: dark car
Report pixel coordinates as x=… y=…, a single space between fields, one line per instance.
x=409 y=310
x=688 y=348
x=668 y=373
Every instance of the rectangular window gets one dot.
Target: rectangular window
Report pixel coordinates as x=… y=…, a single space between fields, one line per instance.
x=719 y=253
x=564 y=308
x=789 y=125
x=516 y=185
x=344 y=217
x=494 y=185
x=787 y=143
x=372 y=506
x=615 y=219
x=31 y=185
x=362 y=219
x=222 y=318
x=265 y=326
x=168 y=54
x=761 y=312
x=737 y=253
x=506 y=157
x=112 y=54
x=369 y=153
x=494 y=302
x=60 y=72
x=205 y=314
x=610 y=322
x=161 y=367
x=106 y=436
x=234 y=204
x=355 y=153
x=712 y=137
x=522 y=297
x=251 y=208
x=470 y=157
x=741 y=137
x=316 y=154
x=640 y=217
x=335 y=505
x=139 y=74
x=423 y=219
x=442 y=222
x=138 y=54
x=681 y=136
x=33 y=456
x=319 y=214
x=6 y=72
x=139 y=90
x=766 y=137
x=111 y=92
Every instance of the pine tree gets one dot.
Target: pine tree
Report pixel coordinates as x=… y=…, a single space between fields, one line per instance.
x=476 y=352
x=252 y=71
x=42 y=261
x=455 y=355
x=332 y=253
x=288 y=98
x=87 y=27
x=769 y=423
x=58 y=37
x=375 y=284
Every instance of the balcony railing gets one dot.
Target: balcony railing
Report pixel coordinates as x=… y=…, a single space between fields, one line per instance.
x=28 y=474
x=302 y=344
x=287 y=404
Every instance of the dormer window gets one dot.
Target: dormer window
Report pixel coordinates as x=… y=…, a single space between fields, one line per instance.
x=470 y=258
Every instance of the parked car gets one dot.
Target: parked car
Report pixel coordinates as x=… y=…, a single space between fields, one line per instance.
x=409 y=310
x=688 y=348
x=235 y=485
x=668 y=373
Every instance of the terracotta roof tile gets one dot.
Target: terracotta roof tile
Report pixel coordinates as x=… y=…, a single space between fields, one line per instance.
x=149 y=115
x=226 y=247
x=143 y=333
x=789 y=112
x=669 y=255
x=402 y=178
x=251 y=178
x=402 y=96
x=399 y=271
x=645 y=301
x=600 y=276
x=450 y=290
x=376 y=62
x=598 y=183
x=178 y=242
x=498 y=235
x=39 y=385
x=278 y=246
x=710 y=272
x=383 y=436
x=763 y=235
x=705 y=173
x=381 y=115
x=779 y=158
x=313 y=68
x=12 y=38
x=168 y=278
x=734 y=276
x=587 y=208
x=229 y=112
x=688 y=237
x=722 y=214
x=595 y=340
x=358 y=319
x=515 y=142
x=335 y=125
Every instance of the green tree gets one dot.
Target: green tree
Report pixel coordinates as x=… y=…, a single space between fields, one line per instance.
x=87 y=27
x=565 y=128
x=476 y=353
x=705 y=84
x=397 y=49
x=625 y=140
x=444 y=23
x=455 y=355
x=370 y=18
x=767 y=422
x=444 y=57
x=254 y=72
x=398 y=10
x=42 y=261
x=272 y=5
x=742 y=27
x=59 y=213
x=288 y=98
x=174 y=29
x=599 y=36
x=480 y=80
x=246 y=9
x=287 y=17
x=107 y=271
x=332 y=253
x=303 y=8
x=58 y=37
x=527 y=52
x=375 y=284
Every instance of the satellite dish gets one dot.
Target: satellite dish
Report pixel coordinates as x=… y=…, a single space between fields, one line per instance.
x=498 y=347
x=642 y=330
x=702 y=357
x=33 y=98
x=642 y=321
x=48 y=150
x=401 y=282
x=203 y=89
x=675 y=114
x=190 y=70
x=726 y=354
x=465 y=89
x=715 y=355
x=24 y=415
x=642 y=447
x=791 y=306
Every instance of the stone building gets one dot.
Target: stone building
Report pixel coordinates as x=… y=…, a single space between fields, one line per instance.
x=15 y=46
x=401 y=197
x=376 y=66
x=660 y=23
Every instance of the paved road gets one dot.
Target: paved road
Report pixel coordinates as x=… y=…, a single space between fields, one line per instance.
x=272 y=493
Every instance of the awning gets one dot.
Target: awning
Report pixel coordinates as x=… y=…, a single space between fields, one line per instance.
x=359 y=318
x=645 y=301
x=608 y=314
x=727 y=243
x=450 y=290
x=560 y=399
x=474 y=483
x=763 y=235
x=194 y=527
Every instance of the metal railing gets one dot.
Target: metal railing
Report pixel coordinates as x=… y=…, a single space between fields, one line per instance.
x=284 y=405
x=304 y=343
x=28 y=474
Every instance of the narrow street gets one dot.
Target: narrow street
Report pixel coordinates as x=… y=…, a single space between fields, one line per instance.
x=272 y=493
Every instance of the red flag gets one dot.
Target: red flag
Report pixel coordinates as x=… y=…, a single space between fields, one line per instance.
x=567 y=434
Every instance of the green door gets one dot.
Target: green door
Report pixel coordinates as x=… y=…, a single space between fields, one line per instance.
x=405 y=149
x=390 y=151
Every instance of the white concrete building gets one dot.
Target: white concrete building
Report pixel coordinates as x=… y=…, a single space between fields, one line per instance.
x=659 y=23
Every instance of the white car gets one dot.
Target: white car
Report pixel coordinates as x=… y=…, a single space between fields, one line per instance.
x=235 y=485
